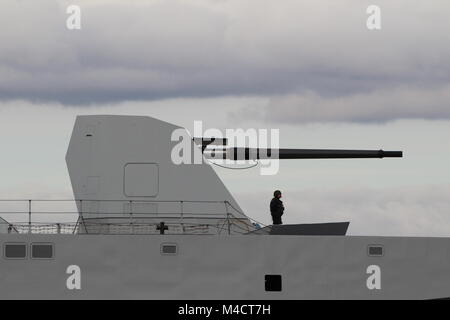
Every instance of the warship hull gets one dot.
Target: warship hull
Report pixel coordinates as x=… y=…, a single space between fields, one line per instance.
x=227 y=267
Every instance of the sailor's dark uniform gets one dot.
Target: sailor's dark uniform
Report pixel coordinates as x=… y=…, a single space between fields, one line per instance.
x=276 y=210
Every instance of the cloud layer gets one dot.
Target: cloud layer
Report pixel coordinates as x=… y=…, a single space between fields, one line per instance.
x=315 y=60
x=377 y=106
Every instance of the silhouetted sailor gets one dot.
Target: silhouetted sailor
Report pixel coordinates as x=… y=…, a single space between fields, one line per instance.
x=276 y=207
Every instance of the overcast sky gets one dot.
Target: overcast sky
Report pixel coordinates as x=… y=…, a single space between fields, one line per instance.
x=309 y=68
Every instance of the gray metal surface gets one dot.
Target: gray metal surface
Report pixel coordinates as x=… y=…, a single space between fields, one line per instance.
x=215 y=267
x=313 y=229
x=128 y=158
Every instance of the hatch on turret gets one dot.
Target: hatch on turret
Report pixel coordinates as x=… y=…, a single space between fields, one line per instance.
x=141 y=180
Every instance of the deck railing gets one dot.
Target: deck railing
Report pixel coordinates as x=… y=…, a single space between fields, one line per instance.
x=121 y=217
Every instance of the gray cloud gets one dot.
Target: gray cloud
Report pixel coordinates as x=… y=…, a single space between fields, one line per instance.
x=378 y=106
x=151 y=50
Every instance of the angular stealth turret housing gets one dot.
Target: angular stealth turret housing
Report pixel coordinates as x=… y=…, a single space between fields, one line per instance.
x=123 y=178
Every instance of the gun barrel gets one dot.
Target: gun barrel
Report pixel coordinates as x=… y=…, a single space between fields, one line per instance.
x=256 y=154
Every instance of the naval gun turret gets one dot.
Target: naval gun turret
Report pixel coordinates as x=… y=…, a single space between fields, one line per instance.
x=124 y=178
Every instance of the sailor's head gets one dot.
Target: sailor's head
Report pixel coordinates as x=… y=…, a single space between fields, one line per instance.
x=277 y=194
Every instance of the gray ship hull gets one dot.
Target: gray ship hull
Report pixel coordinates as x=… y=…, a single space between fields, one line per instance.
x=228 y=267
